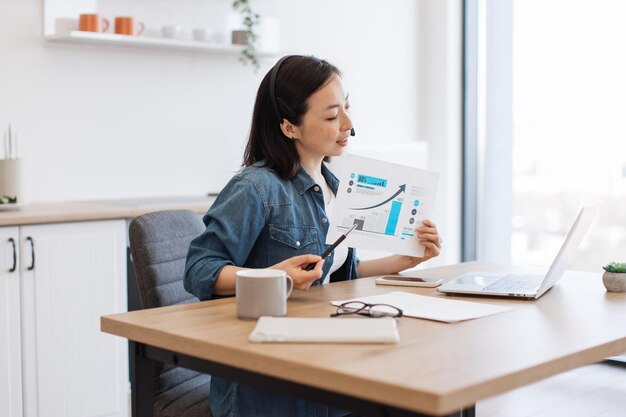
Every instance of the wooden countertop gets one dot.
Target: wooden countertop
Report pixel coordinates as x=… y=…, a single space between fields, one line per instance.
x=75 y=211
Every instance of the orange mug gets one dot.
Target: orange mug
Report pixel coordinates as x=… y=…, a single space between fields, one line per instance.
x=92 y=23
x=125 y=25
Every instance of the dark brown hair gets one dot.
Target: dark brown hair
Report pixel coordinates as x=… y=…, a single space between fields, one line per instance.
x=296 y=80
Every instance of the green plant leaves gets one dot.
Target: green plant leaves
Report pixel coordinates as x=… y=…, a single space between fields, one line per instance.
x=250 y=20
x=5 y=199
x=615 y=267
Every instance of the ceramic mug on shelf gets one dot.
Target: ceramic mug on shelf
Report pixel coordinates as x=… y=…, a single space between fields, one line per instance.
x=202 y=34
x=172 y=31
x=262 y=292
x=126 y=25
x=92 y=22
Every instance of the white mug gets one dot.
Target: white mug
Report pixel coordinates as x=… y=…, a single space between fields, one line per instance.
x=262 y=292
x=172 y=31
x=202 y=34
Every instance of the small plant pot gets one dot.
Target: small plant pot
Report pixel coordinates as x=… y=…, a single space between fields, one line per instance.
x=614 y=281
x=239 y=37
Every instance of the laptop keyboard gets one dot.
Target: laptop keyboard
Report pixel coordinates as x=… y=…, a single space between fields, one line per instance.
x=515 y=283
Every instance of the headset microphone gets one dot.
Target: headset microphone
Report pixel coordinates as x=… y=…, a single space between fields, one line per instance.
x=352 y=132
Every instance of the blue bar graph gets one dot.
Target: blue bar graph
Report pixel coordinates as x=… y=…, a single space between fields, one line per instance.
x=394 y=215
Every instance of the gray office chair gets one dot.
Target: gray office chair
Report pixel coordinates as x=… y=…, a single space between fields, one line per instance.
x=159 y=242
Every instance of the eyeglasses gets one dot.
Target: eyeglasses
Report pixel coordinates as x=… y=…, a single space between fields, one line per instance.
x=370 y=310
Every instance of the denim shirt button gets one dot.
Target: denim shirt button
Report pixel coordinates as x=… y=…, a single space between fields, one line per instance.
x=324 y=220
x=316 y=188
x=298 y=243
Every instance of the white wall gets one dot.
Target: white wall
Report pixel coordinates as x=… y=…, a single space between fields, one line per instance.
x=105 y=122
x=375 y=44
x=440 y=112
x=97 y=122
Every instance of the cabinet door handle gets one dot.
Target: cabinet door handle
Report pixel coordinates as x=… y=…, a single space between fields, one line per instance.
x=14 y=255
x=32 y=251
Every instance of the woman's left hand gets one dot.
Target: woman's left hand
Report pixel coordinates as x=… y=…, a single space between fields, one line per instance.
x=428 y=236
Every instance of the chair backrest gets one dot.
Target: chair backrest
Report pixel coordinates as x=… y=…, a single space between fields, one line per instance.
x=159 y=243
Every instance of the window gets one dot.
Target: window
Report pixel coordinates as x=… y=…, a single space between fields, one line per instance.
x=549 y=105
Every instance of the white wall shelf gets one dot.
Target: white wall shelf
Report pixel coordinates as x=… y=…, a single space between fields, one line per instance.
x=96 y=38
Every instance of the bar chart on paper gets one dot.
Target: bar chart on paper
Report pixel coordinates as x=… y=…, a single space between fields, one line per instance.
x=386 y=201
x=384 y=217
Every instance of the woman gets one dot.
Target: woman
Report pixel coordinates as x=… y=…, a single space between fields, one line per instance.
x=274 y=213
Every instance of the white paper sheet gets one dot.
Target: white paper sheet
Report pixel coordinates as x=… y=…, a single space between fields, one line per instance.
x=431 y=308
x=387 y=201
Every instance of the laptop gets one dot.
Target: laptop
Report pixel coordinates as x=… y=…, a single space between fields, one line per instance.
x=527 y=286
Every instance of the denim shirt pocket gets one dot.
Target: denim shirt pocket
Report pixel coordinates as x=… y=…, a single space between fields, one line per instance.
x=290 y=240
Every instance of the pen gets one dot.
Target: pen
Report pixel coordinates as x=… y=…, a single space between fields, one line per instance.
x=331 y=248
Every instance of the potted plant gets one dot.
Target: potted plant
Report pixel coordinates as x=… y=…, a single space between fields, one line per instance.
x=8 y=200
x=247 y=37
x=614 y=277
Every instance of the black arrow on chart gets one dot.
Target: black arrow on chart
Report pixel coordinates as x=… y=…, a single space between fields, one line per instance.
x=401 y=189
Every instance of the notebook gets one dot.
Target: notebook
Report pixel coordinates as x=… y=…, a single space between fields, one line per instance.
x=325 y=330
x=527 y=286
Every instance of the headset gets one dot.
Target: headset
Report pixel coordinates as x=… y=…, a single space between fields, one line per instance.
x=273 y=89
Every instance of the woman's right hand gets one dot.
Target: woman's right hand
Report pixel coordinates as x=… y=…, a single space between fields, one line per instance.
x=295 y=268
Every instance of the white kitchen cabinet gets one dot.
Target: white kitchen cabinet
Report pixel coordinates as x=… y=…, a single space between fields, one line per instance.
x=71 y=274
x=10 y=355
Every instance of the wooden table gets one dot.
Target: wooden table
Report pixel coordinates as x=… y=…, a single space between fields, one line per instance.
x=437 y=368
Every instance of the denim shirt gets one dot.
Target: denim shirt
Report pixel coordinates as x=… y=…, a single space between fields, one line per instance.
x=259 y=220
